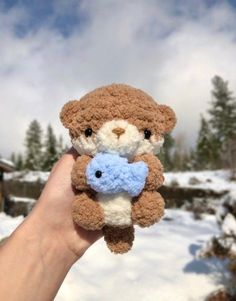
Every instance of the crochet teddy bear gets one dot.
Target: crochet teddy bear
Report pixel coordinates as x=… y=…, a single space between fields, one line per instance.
x=117 y=131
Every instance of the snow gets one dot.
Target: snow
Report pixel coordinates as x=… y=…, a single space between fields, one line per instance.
x=229 y=225
x=30 y=176
x=8 y=224
x=22 y=199
x=217 y=181
x=7 y=162
x=231 y=198
x=163 y=264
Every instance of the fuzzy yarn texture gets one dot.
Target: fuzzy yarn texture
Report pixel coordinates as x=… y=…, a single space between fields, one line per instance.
x=117 y=101
x=147 y=208
x=110 y=173
x=119 y=240
x=87 y=212
x=78 y=179
x=155 y=177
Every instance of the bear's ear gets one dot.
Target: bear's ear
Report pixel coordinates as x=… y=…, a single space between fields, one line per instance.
x=68 y=112
x=169 y=118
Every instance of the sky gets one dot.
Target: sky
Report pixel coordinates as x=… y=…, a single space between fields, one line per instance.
x=55 y=51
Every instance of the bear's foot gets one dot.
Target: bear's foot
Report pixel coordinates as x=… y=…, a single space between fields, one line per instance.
x=119 y=240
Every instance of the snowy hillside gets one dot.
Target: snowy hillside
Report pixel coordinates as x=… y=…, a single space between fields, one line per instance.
x=218 y=180
x=28 y=176
x=215 y=180
x=162 y=265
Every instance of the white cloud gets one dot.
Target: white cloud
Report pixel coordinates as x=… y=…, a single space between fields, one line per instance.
x=171 y=52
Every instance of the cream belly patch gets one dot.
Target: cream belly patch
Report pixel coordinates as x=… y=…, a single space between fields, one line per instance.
x=117 y=208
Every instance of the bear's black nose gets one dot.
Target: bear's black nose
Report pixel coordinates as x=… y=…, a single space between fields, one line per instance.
x=98 y=174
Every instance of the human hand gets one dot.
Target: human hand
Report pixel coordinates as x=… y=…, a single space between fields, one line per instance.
x=41 y=251
x=52 y=213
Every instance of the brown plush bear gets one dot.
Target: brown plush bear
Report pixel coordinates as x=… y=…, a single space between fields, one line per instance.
x=126 y=121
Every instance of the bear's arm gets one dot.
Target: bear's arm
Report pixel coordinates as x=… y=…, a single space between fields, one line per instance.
x=78 y=174
x=155 y=176
x=87 y=212
x=147 y=208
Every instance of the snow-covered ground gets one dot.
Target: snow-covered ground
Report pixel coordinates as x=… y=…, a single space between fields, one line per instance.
x=28 y=176
x=162 y=266
x=215 y=180
x=21 y=199
x=8 y=224
x=218 y=180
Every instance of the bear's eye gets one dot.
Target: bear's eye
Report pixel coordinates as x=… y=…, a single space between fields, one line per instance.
x=88 y=132
x=98 y=174
x=147 y=134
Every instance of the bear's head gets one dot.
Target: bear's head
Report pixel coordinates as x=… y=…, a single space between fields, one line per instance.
x=117 y=119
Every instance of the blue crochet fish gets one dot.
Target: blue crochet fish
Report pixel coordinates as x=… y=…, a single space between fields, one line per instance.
x=110 y=173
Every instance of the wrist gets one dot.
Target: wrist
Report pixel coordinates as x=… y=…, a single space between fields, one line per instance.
x=33 y=255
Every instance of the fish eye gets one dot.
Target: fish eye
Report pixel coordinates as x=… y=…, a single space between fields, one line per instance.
x=88 y=132
x=147 y=134
x=98 y=174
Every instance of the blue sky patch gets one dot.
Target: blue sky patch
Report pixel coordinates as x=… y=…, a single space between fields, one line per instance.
x=66 y=17
x=46 y=13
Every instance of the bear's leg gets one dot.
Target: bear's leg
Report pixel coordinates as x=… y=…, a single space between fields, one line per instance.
x=147 y=208
x=119 y=240
x=87 y=212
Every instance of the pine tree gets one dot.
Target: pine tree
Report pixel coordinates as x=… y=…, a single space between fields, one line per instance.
x=33 y=145
x=51 y=151
x=178 y=160
x=181 y=156
x=206 y=155
x=223 y=119
x=192 y=164
x=13 y=158
x=166 y=154
x=19 y=162
x=181 y=160
x=60 y=146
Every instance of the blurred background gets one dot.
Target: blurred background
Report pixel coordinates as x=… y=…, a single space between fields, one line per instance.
x=183 y=53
